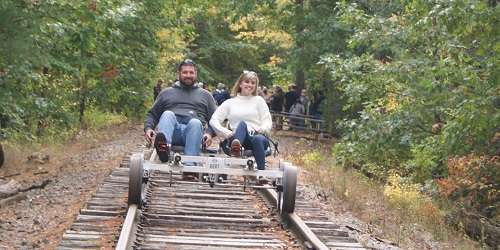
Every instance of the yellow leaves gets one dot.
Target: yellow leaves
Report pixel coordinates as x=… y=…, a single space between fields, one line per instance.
x=274 y=60
x=411 y=202
x=256 y=28
x=241 y=24
x=173 y=43
x=312 y=158
x=391 y=103
x=283 y=3
x=280 y=38
x=213 y=11
x=402 y=195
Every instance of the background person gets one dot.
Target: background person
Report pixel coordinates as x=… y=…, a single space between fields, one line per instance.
x=157 y=89
x=290 y=97
x=181 y=113
x=266 y=96
x=248 y=117
x=296 y=115
x=220 y=94
x=315 y=109
x=277 y=100
x=304 y=99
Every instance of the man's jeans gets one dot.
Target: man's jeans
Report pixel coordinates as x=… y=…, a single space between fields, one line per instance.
x=182 y=131
x=257 y=143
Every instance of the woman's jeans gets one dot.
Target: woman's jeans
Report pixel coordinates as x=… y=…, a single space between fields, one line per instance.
x=257 y=143
x=182 y=131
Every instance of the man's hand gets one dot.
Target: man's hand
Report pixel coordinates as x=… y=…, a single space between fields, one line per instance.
x=149 y=135
x=207 y=139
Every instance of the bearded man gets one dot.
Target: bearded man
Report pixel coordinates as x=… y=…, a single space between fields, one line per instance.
x=181 y=114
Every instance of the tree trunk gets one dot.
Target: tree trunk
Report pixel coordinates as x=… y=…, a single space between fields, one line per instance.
x=300 y=79
x=83 y=87
x=1 y=156
x=82 y=106
x=299 y=42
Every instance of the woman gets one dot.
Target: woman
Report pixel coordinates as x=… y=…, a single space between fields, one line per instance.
x=248 y=119
x=297 y=112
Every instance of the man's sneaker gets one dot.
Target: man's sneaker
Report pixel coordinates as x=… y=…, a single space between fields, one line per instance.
x=236 y=148
x=162 y=148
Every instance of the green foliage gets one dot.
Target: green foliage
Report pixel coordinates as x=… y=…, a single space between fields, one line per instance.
x=60 y=57
x=419 y=84
x=232 y=37
x=96 y=119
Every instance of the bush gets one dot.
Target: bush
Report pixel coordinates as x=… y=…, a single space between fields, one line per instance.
x=96 y=119
x=473 y=182
x=421 y=85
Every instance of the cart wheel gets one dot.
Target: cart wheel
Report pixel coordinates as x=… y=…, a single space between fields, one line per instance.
x=136 y=172
x=289 y=189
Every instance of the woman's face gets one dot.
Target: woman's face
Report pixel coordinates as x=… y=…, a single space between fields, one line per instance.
x=247 y=86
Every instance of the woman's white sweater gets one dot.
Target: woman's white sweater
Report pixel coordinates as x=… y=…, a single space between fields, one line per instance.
x=251 y=109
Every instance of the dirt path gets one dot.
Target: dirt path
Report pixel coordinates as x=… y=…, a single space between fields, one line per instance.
x=36 y=219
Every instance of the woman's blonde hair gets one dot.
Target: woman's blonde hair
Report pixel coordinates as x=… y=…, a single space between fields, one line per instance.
x=245 y=75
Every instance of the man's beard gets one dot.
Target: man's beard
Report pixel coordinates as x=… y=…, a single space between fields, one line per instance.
x=187 y=81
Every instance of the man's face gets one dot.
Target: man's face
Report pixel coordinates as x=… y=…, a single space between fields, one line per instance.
x=187 y=75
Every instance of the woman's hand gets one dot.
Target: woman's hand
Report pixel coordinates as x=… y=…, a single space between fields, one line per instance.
x=207 y=139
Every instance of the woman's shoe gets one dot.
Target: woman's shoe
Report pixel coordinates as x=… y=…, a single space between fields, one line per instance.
x=236 y=148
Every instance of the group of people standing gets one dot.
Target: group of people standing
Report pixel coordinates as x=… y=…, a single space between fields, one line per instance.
x=296 y=104
x=187 y=115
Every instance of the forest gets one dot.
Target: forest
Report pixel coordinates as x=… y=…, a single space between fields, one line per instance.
x=411 y=87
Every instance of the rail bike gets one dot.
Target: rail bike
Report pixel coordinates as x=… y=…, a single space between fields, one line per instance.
x=215 y=168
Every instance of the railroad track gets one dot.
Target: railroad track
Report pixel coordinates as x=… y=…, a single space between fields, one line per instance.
x=180 y=214
x=193 y=215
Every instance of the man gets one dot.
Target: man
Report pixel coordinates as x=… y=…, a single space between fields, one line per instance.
x=157 y=89
x=220 y=94
x=277 y=100
x=181 y=113
x=290 y=97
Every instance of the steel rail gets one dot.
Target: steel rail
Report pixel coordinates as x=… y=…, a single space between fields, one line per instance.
x=296 y=223
x=128 y=227
x=124 y=241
